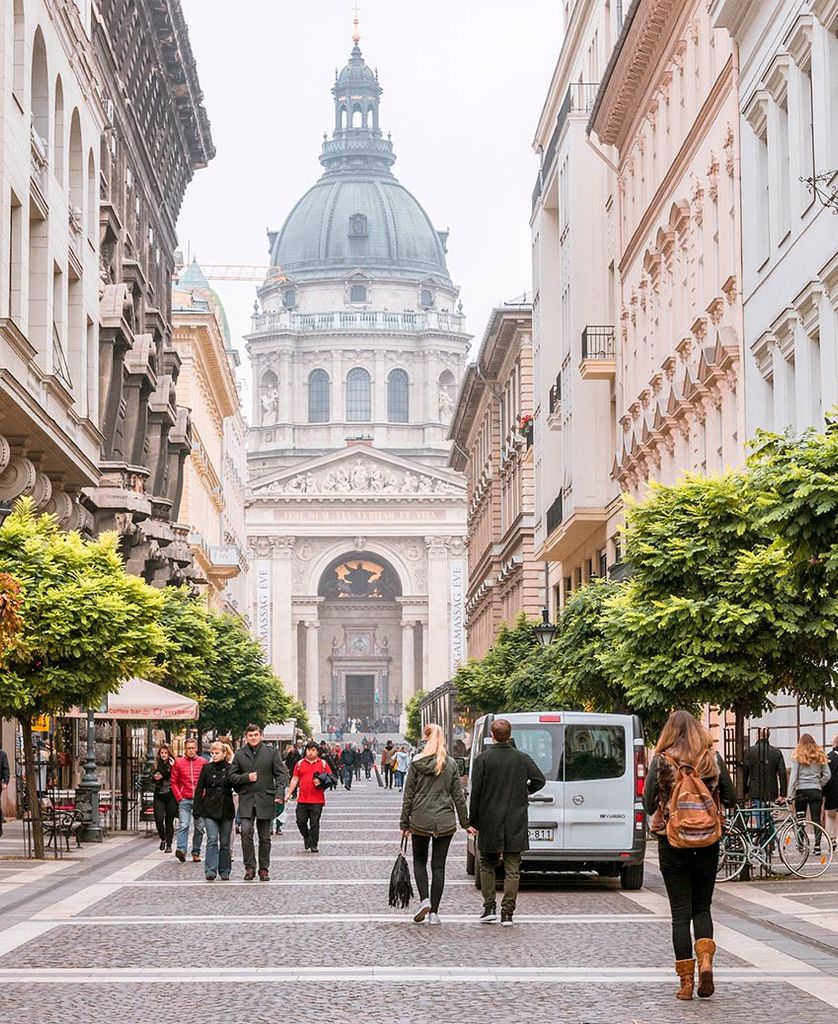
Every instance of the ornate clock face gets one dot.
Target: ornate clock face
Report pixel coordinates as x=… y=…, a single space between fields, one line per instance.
x=360 y=644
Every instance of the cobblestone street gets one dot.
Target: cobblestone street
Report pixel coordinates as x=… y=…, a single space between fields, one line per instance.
x=136 y=933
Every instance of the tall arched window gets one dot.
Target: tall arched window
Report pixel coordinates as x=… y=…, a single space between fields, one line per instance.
x=58 y=133
x=76 y=167
x=319 y=397
x=358 y=399
x=40 y=90
x=92 y=204
x=398 y=397
x=18 y=76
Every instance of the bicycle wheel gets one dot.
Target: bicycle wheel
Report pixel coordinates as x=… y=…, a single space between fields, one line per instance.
x=733 y=856
x=805 y=848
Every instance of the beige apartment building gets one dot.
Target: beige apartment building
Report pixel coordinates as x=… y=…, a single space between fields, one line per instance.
x=207 y=387
x=491 y=430
x=574 y=303
x=668 y=112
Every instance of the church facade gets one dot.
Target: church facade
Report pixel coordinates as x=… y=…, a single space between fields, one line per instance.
x=356 y=525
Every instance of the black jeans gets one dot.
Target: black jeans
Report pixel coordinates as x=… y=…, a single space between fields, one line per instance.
x=308 y=822
x=263 y=826
x=388 y=776
x=689 y=877
x=811 y=800
x=439 y=854
x=165 y=812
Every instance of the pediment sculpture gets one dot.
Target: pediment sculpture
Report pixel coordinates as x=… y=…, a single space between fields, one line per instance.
x=360 y=477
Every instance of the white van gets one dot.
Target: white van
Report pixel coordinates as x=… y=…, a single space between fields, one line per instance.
x=589 y=816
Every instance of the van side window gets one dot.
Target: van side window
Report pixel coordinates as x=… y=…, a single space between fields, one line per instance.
x=594 y=752
x=543 y=744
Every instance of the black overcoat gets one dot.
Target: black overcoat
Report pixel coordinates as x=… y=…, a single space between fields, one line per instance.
x=269 y=786
x=214 y=793
x=502 y=779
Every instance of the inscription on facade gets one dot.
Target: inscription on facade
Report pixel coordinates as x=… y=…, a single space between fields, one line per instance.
x=263 y=606
x=457 y=579
x=341 y=515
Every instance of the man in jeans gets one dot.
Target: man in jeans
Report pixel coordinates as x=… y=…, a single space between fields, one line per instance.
x=311 y=799
x=185 y=774
x=502 y=780
x=347 y=764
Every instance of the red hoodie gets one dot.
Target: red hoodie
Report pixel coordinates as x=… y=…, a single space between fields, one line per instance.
x=185 y=774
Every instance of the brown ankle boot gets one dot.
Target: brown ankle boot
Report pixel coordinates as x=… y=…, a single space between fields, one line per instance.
x=704 y=950
x=685 y=969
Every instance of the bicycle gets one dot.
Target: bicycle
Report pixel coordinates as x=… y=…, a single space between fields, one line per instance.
x=803 y=846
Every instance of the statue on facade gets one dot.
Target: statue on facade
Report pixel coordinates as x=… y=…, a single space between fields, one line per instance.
x=391 y=484
x=330 y=482
x=410 y=484
x=360 y=476
x=309 y=484
x=270 y=407
x=446 y=405
x=342 y=480
x=376 y=483
x=426 y=485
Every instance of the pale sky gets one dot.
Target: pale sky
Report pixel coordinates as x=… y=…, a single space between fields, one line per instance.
x=464 y=82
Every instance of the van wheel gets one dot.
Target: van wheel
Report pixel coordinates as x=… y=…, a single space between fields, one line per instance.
x=631 y=876
x=471 y=863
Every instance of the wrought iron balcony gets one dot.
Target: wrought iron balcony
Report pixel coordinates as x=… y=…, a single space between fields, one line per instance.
x=579 y=99
x=599 y=353
x=556 y=394
x=554 y=514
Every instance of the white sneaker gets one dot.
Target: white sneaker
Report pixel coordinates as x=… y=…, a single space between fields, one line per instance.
x=422 y=912
x=433 y=919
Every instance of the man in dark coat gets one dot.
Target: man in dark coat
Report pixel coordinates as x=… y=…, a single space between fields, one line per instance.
x=257 y=774
x=501 y=783
x=765 y=770
x=4 y=781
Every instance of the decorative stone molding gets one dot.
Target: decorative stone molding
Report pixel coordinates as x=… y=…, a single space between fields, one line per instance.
x=798 y=40
x=363 y=478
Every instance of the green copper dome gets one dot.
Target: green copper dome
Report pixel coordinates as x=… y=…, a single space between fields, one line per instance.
x=358 y=216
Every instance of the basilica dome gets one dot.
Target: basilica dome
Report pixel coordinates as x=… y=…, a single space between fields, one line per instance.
x=358 y=216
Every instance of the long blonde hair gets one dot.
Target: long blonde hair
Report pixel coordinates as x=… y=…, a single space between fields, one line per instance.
x=435 y=746
x=807 y=751
x=686 y=741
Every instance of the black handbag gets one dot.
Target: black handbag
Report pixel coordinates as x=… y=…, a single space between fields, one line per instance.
x=401 y=889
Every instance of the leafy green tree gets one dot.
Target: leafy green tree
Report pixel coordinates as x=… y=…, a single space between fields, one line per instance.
x=187 y=665
x=483 y=685
x=86 y=625
x=413 y=712
x=241 y=687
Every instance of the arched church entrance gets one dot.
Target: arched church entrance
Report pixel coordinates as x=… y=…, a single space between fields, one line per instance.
x=359 y=610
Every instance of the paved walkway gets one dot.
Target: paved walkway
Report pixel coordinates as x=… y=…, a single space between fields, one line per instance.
x=135 y=933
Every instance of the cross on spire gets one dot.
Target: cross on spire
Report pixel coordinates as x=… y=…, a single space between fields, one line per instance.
x=356 y=33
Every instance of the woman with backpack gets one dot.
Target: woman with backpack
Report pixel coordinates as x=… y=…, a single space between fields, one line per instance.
x=433 y=801
x=684 y=787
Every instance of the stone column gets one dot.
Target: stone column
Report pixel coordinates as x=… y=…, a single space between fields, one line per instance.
x=312 y=673
x=438 y=642
x=408 y=658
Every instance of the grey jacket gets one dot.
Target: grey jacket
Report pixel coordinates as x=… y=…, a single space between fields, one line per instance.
x=429 y=800
x=272 y=778
x=807 y=776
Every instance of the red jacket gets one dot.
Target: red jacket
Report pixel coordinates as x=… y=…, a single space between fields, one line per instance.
x=185 y=775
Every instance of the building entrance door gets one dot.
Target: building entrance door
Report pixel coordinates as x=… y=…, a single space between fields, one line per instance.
x=360 y=696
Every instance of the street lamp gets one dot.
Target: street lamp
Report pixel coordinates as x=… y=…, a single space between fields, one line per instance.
x=5 y=511
x=545 y=631
x=87 y=794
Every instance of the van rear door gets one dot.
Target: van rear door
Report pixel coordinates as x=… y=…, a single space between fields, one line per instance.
x=598 y=771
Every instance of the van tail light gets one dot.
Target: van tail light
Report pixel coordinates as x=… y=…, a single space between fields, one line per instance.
x=639 y=771
x=549 y=718
x=639 y=821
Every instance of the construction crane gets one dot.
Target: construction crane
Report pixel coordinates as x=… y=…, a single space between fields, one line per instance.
x=242 y=272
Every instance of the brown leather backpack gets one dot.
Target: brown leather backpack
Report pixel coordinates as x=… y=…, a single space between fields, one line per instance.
x=693 y=815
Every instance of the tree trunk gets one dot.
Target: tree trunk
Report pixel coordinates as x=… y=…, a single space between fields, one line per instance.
x=32 y=789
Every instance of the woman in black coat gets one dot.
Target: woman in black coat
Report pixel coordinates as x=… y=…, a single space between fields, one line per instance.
x=214 y=803
x=165 y=805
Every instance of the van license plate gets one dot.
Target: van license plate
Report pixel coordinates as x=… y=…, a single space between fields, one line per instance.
x=542 y=835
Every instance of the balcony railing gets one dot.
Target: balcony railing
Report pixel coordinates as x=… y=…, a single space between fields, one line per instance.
x=554 y=514
x=598 y=342
x=360 y=320
x=579 y=99
x=556 y=394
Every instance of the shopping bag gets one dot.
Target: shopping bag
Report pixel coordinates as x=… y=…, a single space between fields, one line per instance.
x=401 y=890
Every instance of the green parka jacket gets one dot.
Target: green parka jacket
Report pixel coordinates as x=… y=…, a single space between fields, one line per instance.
x=430 y=801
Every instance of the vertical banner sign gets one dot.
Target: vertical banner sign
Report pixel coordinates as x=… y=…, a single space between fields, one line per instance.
x=457 y=599
x=263 y=606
